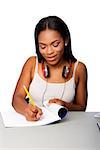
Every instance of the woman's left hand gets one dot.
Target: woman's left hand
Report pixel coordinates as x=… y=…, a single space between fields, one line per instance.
x=57 y=101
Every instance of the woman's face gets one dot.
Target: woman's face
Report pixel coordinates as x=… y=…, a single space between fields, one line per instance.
x=51 y=46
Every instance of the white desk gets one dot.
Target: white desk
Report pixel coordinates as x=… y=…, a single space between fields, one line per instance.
x=79 y=132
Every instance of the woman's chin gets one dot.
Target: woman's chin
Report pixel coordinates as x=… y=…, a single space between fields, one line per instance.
x=53 y=62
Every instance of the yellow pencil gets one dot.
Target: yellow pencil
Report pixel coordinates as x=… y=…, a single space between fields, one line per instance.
x=31 y=101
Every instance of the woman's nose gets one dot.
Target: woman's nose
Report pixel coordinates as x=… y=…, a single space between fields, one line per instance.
x=49 y=50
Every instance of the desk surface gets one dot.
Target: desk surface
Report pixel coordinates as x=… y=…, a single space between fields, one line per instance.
x=78 y=131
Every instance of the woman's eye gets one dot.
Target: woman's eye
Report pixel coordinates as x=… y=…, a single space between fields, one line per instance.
x=42 y=47
x=56 y=44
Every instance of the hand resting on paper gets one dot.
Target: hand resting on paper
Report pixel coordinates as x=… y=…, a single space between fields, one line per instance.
x=32 y=113
x=57 y=101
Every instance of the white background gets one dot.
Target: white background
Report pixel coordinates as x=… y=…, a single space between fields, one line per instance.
x=17 y=21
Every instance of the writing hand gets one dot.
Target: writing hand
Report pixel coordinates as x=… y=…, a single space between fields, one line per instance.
x=32 y=113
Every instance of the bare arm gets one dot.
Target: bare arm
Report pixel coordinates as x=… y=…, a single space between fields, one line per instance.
x=81 y=88
x=18 y=101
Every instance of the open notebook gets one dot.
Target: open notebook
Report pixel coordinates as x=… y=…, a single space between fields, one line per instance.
x=51 y=114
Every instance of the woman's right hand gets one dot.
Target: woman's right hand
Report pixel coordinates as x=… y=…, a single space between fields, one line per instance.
x=33 y=113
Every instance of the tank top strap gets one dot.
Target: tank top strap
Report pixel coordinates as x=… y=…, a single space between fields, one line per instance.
x=75 y=66
x=36 y=66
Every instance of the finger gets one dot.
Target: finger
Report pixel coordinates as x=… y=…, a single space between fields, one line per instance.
x=33 y=108
x=39 y=113
x=52 y=101
x=34 y=112
x=31 y=113
x=28 y=118
x=31 y=116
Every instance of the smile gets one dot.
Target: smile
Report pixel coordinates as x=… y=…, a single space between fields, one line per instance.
x=51 y=58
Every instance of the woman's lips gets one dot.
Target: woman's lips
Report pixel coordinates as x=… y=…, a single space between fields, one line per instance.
x=51 y=58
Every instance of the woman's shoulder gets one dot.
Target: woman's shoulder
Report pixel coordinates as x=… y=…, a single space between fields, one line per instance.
x=81 y=68
x=81 y=65
x=29 y=63
x=31 y=59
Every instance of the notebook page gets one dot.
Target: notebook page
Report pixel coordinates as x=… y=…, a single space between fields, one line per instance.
x=13 y=119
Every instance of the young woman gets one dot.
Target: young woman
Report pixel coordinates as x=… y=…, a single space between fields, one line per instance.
x=55 y=75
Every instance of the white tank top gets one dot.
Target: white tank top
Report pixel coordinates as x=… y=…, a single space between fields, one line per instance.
x=42 y=90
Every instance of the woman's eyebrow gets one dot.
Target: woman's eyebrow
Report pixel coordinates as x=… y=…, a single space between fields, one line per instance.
x=55 y=41
x=42 y=43
x=50 y=43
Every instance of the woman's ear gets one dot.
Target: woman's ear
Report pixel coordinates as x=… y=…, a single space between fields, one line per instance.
x=66 y=42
